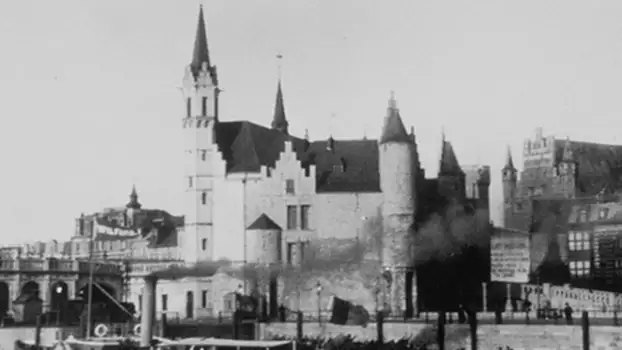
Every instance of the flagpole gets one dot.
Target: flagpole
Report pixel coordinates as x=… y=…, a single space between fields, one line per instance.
x=89 y=305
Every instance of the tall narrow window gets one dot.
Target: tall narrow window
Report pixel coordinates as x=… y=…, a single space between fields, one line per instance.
x=289 y=186
x=304 y=217
x=204 y=244
x=140 y=303
x=204 y=299
x=164 y=302
x=292 y=217
x=188 y=107
x=204 y=106
x=203 y=154
x=204 y=198
x=190 y=181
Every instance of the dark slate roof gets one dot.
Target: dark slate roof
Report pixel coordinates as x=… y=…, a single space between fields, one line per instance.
x=247 y=146
x=279 y=121
x=393 y=129
x=449 y=162
x=263 y=222
x=599 y=165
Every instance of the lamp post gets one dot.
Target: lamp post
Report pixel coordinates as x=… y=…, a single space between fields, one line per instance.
x=387 y=295
x=319 y=302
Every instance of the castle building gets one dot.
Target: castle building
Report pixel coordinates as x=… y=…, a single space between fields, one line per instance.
x=568 y=198
x=259 y=194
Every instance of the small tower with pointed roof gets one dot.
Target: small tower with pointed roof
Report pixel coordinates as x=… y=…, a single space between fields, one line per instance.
x=279 y=121
x=132 y=208
x=397 y=183
x=510 y=187
x=451 y=177
x=200 y=91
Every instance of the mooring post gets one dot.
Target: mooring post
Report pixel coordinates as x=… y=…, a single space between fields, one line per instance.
x=585 y=326
x=440 y=331
x=380 y=326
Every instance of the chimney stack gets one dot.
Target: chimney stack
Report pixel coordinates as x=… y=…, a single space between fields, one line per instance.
x=148 y=314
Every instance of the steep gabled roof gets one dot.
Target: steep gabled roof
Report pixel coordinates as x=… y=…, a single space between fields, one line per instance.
x=247 y=146
x=599 y=165
x=263 y=222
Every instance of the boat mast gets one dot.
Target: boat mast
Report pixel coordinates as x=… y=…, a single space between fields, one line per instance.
x=89 y=305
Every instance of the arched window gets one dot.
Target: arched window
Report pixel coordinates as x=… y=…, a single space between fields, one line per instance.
x=204 y=198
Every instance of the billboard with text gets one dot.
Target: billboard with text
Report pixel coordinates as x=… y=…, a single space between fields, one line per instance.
x=509 y=257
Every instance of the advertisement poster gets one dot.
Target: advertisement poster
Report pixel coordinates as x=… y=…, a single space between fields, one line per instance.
x=509 y=258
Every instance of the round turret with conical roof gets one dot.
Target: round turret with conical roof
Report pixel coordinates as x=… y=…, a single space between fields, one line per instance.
x=263 y=241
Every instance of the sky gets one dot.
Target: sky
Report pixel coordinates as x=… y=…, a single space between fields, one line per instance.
x=90 y=102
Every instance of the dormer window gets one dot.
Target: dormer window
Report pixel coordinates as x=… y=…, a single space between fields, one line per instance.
x=188 y=107
x=204 y=106
x=289 y=186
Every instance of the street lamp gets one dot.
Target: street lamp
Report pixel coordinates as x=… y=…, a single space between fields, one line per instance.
x=388 y=277
x=318 y=289
x=59 y=289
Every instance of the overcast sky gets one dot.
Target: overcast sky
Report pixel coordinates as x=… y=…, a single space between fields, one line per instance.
x=90 y=103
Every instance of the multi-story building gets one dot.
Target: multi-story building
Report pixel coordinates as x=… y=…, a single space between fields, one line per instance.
x=242 y=178
x=568 y=198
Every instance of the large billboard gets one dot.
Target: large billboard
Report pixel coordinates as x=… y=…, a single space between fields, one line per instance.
x=509 y=257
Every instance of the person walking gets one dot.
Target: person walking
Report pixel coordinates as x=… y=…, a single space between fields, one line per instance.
x=568 y=313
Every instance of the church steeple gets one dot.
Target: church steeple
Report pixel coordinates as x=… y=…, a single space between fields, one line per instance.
x=509 y=162
x=200 y=53
x=133 y=203
x=279 y=121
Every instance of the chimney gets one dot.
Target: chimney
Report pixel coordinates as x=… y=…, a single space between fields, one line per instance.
x=330 y=145
x=148 y=312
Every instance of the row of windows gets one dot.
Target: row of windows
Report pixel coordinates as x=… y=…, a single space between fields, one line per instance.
x=205 y=300
x=579 y=268
x=293 y=221
x=579 y=241
x=203 y=107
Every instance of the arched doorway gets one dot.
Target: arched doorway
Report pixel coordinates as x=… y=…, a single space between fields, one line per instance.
x=59 y=292
x=98 y=295
x=189 y=304
x=5 y=298
x=31 y=288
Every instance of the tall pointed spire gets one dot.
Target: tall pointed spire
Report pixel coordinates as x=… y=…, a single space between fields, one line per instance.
x=393 y=129
x=509 y=162
x=279 y=121
x=133 y=203
x=200 y=54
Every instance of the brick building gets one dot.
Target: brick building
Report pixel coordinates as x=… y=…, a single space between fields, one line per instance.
x=568 y=197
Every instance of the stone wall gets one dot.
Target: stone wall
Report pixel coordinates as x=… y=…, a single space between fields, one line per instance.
x=49 y=335
x=489 y=336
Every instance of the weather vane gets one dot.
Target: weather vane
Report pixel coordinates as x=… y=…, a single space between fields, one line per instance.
x=279 y=59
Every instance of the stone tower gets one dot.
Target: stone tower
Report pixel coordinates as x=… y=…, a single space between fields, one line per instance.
x=567 y=173
x=200 y=92
x=509 y=178
x=398 y=187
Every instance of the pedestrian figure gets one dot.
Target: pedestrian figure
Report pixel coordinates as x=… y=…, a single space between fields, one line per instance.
x=568 y=313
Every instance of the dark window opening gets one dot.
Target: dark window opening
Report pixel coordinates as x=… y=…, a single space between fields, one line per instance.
x=204 y=106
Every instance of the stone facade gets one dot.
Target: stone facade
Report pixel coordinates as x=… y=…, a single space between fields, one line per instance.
x=53 y=280
x=313 y=191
